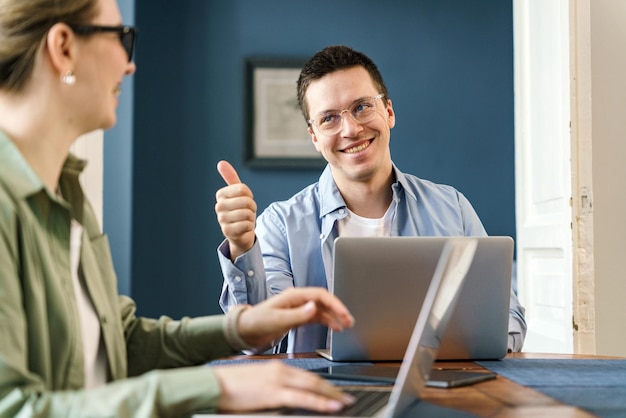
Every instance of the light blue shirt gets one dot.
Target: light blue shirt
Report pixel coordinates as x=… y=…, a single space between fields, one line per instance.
x=286 y=253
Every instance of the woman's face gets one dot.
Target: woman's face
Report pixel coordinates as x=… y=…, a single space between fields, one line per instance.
x=101 y=65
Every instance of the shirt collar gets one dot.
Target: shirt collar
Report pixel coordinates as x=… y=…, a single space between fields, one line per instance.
x=16 y=174
x=22 y=181
x=402 y=183
x=331 y=199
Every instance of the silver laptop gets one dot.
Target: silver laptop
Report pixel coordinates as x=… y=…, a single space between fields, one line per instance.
x=383 y=280
x=441 y=297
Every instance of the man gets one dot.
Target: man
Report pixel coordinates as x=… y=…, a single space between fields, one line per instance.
x=360 y=193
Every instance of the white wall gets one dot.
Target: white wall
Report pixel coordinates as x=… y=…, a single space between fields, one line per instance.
x=608 y=84
x=543 y=172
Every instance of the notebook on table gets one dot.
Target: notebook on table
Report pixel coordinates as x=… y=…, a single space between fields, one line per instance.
x=383 y=280
x=434 y=315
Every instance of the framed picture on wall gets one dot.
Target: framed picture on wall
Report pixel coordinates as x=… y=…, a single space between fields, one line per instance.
x=276 y=133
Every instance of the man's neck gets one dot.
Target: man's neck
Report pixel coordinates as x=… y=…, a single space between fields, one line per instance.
x=369 y=199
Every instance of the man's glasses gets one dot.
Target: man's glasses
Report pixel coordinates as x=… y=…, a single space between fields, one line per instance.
x=362 y=111
x=125 y=33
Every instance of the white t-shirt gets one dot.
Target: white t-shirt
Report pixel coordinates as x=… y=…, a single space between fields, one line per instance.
x=96 y=364
x=354 y=225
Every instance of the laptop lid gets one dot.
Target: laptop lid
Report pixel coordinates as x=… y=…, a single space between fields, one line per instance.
x=383 y=280
x=447 y=284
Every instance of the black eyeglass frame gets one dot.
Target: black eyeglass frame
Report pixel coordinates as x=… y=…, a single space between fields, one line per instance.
x=127 y=34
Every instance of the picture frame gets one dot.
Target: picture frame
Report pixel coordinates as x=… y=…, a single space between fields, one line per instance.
x=276 y=132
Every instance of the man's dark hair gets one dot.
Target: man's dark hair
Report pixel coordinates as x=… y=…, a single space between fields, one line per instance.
x=331 y=59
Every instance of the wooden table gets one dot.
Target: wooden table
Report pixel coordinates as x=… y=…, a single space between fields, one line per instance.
x=502 y=397
x=496 y=398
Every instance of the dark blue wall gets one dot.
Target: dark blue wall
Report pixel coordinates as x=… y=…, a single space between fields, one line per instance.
x=448 y=65
x=118 y=168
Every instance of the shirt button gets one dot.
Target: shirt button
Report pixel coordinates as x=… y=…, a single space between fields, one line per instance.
x=321 y=236
x=238 y=279
x=103 y=320
x=342 y=211
x=250 y=273
x=398 y=200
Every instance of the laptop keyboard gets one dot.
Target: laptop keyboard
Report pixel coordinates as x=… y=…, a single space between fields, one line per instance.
x=368 y=402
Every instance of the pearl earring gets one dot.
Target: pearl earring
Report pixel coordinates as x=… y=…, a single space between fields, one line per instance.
x=68 y=78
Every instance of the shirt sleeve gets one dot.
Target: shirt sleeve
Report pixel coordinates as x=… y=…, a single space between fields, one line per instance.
x=244 y=280
x=174 y=392
x=517 y=324
x=164 y=343
x=471 y=222
x=158 y=393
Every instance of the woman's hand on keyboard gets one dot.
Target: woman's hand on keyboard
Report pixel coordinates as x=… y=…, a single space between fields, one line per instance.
x=273 y=385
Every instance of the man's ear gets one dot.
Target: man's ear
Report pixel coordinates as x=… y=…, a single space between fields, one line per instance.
x=61 y=47
x=313 y=138
x=391 y=115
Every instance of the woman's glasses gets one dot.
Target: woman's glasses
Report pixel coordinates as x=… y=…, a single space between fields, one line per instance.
x=125 y=33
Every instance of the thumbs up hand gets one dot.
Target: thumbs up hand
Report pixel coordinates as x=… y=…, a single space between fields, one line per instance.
x=236 y=211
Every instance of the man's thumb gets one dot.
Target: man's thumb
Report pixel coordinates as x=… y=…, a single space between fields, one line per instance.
x=228 y=172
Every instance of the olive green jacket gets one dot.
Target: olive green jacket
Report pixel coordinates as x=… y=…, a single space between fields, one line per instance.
x=41 y=359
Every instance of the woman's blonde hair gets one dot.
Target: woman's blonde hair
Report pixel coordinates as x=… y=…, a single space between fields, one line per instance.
x=23 y=26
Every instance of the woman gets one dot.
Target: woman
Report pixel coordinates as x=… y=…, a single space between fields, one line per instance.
x=69 y=344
